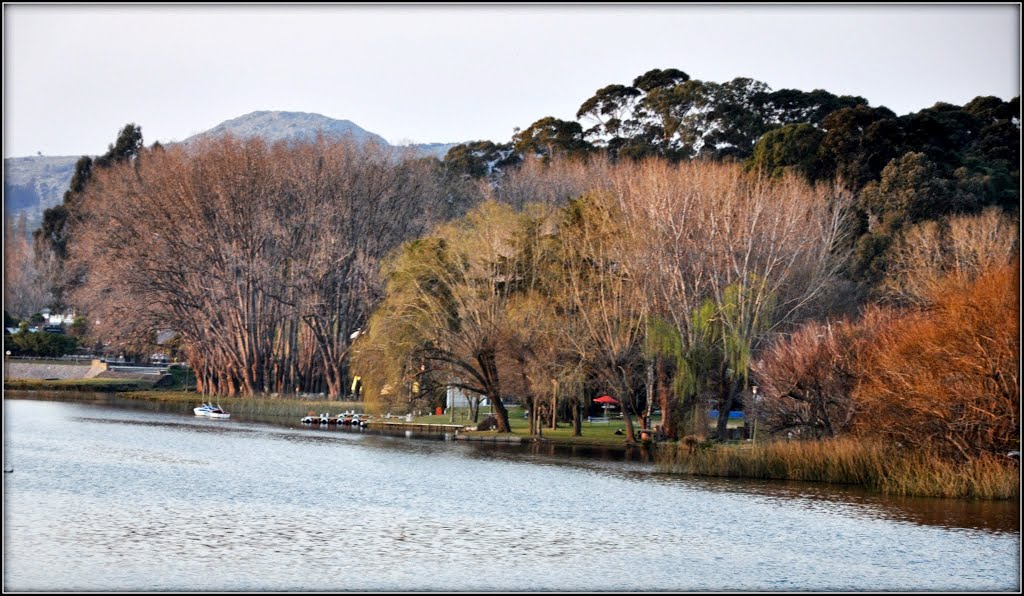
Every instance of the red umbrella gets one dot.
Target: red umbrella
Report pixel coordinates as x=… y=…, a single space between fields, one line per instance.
x=606 y=399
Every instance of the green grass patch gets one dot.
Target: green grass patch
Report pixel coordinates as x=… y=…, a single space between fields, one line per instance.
x=603 y=434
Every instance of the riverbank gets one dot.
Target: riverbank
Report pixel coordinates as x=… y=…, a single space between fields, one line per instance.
x=887 y=469
x=95 y=385
x=608 y=434
x=839 y=462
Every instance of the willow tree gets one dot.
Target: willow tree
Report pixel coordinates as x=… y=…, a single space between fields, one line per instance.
x=447 y=305
x=607 y=309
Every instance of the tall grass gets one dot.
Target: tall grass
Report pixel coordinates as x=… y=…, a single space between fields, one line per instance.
x=885 y=468
x=88 y=385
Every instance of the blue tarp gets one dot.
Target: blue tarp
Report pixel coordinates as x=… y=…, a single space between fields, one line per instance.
x=714 y=414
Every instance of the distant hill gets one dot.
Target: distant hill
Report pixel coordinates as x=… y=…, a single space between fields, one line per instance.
x=438 y=150
x=288 y=126
x=34 y=184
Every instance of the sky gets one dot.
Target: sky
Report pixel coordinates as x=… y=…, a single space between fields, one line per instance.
x=74 y=75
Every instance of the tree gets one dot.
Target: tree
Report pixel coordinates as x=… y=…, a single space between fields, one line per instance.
x=792 y=106
x=51 y=239
x=610 y=109
x=25 y=343
x=24 y=285
x=910 y=190
x=861 y=141
x=262 y=259
x=792 y=147
x=480 y=159
x=946 y=378
x=448 y=303
x=549 y=137
x=737 y=116
x=127 y=147
x=657 y=78
x=928 y=254
x=807 y=377
x=728 y=258
x=607 y=311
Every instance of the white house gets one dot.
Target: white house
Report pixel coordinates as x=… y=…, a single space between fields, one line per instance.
x=52 y=318
x=460 y=398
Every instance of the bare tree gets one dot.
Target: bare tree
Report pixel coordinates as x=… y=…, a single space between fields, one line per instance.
x=759 y=250
x=24 y=285
x=608 y=310
x=254 y=255
x=930 y=253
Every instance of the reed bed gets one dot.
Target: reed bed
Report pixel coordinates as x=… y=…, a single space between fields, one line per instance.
x=888 y=469
x=87 y=385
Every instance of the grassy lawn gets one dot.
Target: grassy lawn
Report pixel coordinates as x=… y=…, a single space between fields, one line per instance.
x=593 y=433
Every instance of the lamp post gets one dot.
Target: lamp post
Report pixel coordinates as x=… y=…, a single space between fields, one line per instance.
x=7 y=364
x=753 y=389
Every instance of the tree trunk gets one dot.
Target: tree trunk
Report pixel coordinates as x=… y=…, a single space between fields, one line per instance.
x=474 y=409
x=626 y=417
x=501 y=414
x=489 y=369
x=726 y=399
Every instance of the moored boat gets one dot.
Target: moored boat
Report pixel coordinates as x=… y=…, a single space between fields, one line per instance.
x=203 y=409
x=217 y=412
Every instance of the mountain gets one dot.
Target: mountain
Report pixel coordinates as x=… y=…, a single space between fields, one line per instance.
x=34 y=184
x=438 y=150
x=288 y=126
x=31 y=184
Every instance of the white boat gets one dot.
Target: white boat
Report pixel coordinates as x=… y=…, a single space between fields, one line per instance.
x=203 y=409
x=218 y=412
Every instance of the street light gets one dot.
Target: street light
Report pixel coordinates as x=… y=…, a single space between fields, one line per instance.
x=753 y=389
x=7 y=364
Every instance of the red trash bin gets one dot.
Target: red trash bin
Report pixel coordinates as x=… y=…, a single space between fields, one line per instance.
x=438 y=411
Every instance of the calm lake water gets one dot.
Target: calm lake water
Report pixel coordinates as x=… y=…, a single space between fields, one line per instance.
x=106 y=498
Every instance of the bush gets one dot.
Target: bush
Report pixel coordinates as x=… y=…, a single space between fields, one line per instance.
x=945 y=378
x=489 y=423
x=42 y=344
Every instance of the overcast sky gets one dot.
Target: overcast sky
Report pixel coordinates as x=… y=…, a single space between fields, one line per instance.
x=75 y=75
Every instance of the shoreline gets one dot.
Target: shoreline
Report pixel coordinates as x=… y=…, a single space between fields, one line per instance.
x=878 y=468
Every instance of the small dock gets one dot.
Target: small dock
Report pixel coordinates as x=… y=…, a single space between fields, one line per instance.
x=343 y=421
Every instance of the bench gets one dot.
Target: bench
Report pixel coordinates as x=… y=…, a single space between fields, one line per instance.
x=597 y=419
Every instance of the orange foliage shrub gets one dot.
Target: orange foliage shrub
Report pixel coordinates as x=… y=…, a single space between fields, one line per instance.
x=946 y=378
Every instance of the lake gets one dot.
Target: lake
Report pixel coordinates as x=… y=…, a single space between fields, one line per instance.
x=109 y=498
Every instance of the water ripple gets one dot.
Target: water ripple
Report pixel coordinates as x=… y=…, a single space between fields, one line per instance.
x=136 y=501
